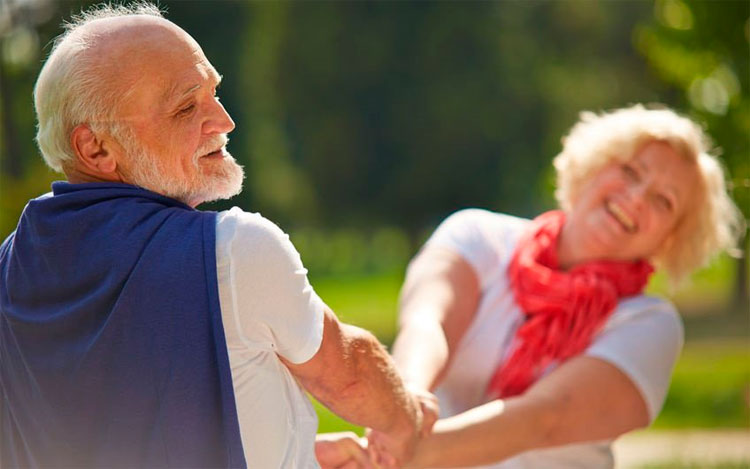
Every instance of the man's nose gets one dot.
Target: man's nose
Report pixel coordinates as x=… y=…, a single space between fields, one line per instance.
x=219 y=122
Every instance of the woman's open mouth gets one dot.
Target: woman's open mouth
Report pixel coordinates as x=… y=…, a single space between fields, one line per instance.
x=619 y=214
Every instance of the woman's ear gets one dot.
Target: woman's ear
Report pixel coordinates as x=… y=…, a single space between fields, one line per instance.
x=91 y=152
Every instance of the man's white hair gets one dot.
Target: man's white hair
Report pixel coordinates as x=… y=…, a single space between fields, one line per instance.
x=70 y=90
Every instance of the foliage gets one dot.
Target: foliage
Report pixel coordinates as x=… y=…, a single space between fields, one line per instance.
x=368 y=301
x=394 y=113
x=700 y=49
x=397 y=113
x=352 y=251
x=703 y=291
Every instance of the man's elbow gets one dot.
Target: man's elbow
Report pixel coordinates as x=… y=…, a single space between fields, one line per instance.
x=346 y=378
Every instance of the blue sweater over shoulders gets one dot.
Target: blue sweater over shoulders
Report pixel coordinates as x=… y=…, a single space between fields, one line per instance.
x=112 y=351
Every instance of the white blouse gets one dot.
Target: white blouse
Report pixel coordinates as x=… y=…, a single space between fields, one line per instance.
x=642 y=338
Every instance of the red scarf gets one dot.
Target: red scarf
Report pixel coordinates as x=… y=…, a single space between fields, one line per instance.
x=564 y=309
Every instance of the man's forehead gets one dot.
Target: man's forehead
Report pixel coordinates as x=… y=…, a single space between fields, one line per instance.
x=181 y=85
x=150 y=53
x=125 y=39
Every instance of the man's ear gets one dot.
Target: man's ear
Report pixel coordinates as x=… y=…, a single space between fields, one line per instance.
x=90 y=151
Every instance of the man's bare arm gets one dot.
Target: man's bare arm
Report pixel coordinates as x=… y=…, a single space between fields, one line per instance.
x=353 y=375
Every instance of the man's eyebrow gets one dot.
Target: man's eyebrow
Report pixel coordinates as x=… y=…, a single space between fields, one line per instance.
x=216 y=76
x=172 y=93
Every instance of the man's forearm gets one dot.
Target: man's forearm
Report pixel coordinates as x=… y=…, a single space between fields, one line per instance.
x=374 y=396
x=353 y=375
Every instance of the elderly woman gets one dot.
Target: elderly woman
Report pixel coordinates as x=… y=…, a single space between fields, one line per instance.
x=536 y=335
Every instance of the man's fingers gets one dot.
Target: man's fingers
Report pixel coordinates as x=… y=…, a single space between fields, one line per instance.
x=380 y=447
x=356 y=449
x=337 y=450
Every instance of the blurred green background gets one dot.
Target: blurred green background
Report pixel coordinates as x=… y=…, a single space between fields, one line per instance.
x=363 y=124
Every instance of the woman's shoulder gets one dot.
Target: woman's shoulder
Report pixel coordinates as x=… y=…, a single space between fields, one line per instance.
x=486 y=221
x=483 y=238
x=647 y=304
x=486 y=216
x=481 y=230
x=651 y=311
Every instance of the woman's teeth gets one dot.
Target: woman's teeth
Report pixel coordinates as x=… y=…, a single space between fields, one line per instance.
x=621 y=216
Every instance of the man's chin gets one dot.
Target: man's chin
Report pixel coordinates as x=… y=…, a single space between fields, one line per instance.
x=221 y=186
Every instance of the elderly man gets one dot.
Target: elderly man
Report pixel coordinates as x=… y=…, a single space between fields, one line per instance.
x=136 y=331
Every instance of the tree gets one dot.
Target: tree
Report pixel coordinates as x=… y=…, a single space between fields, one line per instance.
x=701 y=49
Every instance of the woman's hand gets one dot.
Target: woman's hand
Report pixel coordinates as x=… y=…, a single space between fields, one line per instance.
x=343 y=450
x=428 y=403
x=380 y=445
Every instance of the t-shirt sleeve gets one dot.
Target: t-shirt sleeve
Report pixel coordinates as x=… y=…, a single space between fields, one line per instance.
x=643 y=339
x=270 y=286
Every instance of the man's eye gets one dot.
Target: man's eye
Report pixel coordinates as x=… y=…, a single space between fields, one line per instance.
x=186 y=110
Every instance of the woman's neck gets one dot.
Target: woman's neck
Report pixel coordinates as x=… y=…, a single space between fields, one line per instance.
x=569 y=252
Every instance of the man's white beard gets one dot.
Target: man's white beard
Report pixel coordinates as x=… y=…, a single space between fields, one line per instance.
x=147 y=171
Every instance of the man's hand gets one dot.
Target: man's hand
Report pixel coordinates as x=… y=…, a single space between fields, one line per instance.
x=393 y=449
x=344 y=450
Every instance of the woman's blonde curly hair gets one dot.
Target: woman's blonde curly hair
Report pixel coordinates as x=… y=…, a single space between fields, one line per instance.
x=712 y=225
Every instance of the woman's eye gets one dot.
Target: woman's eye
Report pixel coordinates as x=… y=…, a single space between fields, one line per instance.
x=629 y=171
x=663 y=203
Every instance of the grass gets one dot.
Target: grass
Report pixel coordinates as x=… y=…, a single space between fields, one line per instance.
x=367 y=301
x=330 y=422
x=710 y=387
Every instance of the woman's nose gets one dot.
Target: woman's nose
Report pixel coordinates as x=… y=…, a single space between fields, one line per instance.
x=636 y=196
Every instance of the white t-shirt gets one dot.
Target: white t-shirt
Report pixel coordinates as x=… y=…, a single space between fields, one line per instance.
x=642 y=338
x=268 y=307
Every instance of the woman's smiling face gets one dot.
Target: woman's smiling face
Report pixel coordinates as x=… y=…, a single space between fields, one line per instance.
x=627 y=210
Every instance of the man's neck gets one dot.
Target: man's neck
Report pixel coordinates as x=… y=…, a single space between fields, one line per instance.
x=77 y=176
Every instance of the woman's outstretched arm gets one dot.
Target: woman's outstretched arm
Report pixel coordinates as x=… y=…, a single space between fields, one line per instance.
x=438 y=302
x=584 y=399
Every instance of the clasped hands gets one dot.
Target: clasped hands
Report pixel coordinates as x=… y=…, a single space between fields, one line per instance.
x=378 y=449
